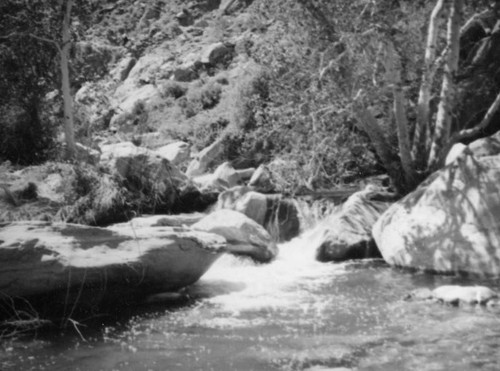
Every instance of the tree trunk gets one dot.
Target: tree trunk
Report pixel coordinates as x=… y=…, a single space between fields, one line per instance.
x=370 y=126
x=394 y=76
x=69 y=130
x=422 y=130
x=448 y=90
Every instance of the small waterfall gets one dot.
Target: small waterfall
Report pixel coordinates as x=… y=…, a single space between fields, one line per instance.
x=311 y=212
x=238 y=284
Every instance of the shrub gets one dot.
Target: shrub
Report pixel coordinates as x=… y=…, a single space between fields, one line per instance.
x=173 y=89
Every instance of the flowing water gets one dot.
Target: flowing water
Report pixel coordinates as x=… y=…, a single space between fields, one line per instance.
x=292 y=314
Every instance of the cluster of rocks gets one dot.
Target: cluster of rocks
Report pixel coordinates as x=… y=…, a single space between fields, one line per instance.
x=447 y=225
x=62 y=266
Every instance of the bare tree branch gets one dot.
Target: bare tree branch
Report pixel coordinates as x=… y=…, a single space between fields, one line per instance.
x=476 y=130
x=27 y=34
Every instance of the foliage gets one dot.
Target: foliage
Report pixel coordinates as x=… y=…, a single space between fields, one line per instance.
x=35 y=41
x=321 y=54
x=172 y=89
x=99 y=199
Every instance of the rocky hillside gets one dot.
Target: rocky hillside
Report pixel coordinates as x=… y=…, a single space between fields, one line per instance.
x=204 y=70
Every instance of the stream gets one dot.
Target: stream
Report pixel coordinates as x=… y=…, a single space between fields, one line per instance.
x=292 y=314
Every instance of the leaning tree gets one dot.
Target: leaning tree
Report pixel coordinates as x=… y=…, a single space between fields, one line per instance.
x=424 y=141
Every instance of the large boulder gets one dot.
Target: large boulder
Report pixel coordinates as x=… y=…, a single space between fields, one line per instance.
x=277 y=214
x=347 y=233
x=61 y=268
x=450 y=223
x=140 y=165
x=244 y=236
x=157 y=185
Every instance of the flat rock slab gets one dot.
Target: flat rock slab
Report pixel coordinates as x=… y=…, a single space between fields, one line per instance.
x=41 y=258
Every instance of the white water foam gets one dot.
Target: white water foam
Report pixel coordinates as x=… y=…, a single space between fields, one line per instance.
x=286 y=282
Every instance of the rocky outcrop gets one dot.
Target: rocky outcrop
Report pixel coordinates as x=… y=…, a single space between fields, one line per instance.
x=449 y=223
x=62 y=267
x=277 y=214
x=347 y=234
x=244 y=236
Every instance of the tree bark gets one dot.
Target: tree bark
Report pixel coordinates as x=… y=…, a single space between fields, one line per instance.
x=69 y=130
x=394 y=75
x=422 y=130
x=448 y=89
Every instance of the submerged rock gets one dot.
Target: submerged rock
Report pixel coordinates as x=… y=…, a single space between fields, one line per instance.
x=67 y=265
x=244 y=236
x=450 y=223
x=347 y=233
x=454 y=294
